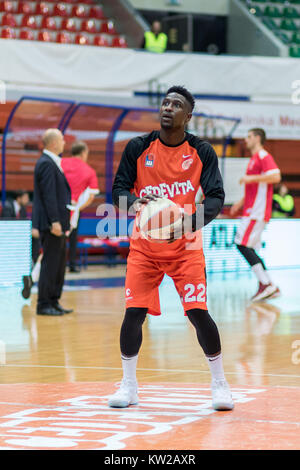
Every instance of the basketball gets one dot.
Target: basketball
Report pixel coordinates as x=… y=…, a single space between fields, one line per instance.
x=158 y=218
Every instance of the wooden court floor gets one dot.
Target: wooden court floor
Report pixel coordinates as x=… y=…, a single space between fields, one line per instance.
x=56 y=373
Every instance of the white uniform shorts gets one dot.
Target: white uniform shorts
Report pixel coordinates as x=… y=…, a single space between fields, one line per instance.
x=249 y=233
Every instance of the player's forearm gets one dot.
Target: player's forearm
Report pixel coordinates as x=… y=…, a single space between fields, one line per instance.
x=206 y=212
x=87 y=203
x=123 y=198
x=272 y=178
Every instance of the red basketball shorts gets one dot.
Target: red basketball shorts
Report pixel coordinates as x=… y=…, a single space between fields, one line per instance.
x=249 y=233
x=145 y=274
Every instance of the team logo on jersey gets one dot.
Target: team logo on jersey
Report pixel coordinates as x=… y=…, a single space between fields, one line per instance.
x=187 y=163
x=149 y=162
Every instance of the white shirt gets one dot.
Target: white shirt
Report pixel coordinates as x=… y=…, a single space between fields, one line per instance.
x=55 y=158
x=17 y=207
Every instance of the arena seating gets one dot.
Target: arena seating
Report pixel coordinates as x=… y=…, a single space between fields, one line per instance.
x=282 y=18
x=76 y=22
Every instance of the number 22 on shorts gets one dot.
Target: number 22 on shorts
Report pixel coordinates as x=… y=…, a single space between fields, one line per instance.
x=193 y=294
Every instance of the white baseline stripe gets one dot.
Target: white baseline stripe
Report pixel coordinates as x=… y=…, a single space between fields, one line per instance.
x=175 y=371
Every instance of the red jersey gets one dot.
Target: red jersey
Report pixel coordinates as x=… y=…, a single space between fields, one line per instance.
x=148 y=166
x=80 y=176
x=258 y=196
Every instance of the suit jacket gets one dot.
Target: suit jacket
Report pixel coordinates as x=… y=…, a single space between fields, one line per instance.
x=9 y=212
x=51 y=195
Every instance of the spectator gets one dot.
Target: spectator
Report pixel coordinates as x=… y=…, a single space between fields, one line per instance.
x=83 y=182
x=283 y=203
x=155 y=40
x=16 y=208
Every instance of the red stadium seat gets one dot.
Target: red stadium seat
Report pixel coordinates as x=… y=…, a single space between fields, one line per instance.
x=100 y=41
x=107 y=27
x=45 y=36
x=49 y=23
x=43 y=8
x=96 y=12
x=25 y=8
x=63 y=38
x=8 y=33
x=89 y=26
x=68 y=24
x=7 y=7
x=9 y=20
x=82 y=39
x=80 y=11
x=119 y=42
x=60 y=10
x=26 y=34
x=28 y=21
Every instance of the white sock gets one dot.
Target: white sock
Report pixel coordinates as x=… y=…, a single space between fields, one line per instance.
x=261 y=274
x=129 y=367
x=35 y=273
x=216 y=367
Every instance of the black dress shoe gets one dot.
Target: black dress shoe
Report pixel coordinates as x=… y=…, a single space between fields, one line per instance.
x=62 y=309
x=27 y=285
x=52 y=311
x=74 y=269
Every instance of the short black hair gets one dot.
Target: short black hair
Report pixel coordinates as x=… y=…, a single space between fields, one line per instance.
x=261 y=133
x=78 y=148
x=19 y=193
x=181 y=90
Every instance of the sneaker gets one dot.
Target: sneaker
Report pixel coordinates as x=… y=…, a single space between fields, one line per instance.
x=126 y=395
x=221 y=396
x=27 y=285
x=277 y=293
x=264 y=292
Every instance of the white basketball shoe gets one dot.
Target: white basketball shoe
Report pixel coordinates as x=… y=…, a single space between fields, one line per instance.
x=221 y=395
x=125 y=396
x=265 y=291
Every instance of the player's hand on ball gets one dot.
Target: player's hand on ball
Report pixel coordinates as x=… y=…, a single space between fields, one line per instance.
x=139 y=203
x=178 y=231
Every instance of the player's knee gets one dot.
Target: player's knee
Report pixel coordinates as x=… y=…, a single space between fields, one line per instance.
x=136 y=314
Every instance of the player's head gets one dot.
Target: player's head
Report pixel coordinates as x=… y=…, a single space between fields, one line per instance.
x=256 y=138
x=53 y=140
x=81 y=150
x=176 y=108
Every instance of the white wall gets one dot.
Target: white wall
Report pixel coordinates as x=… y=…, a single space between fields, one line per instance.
x=210 y=7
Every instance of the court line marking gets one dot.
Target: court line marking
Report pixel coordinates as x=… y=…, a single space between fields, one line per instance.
x=171 y=371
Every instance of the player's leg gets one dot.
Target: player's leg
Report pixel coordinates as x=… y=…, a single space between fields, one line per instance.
x=247 y=239
x=209 y=339
x=131 y=336
x=190 y=281
x=141 y=288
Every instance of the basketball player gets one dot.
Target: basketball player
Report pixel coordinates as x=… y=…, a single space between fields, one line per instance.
x=83 y=182
x=171 y=163
x=262 y=172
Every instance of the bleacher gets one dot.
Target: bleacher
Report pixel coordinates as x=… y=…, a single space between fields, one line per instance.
x=69 y=22
x=282 y=18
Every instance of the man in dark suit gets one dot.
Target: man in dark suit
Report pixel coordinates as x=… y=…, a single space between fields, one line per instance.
x=51 y=217
x=16 y=208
